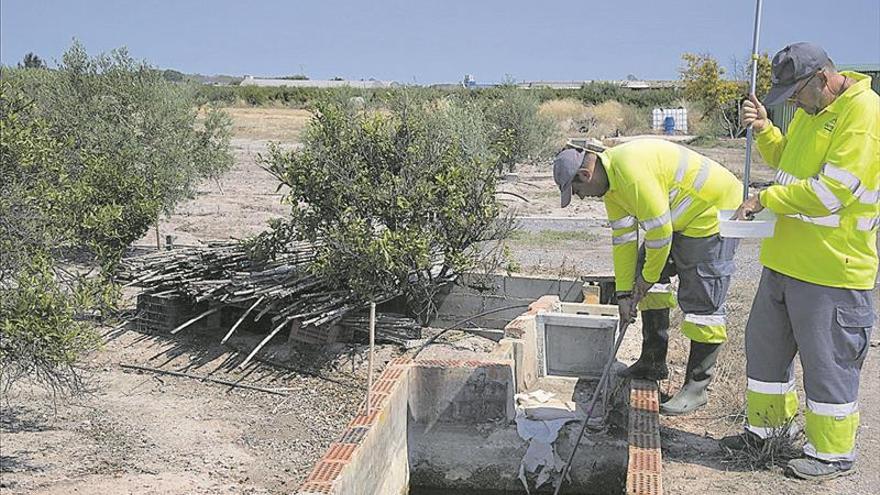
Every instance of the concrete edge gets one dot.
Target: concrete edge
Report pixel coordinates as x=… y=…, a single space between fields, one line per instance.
x=327 y=471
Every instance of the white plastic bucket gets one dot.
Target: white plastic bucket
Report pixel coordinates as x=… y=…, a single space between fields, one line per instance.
x=761 y=226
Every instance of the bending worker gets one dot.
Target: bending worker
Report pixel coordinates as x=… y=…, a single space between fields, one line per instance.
x=674 y=194
x=821 y=265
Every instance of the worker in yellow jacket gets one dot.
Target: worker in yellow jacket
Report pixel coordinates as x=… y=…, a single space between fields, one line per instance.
x=820 y=267
x=674 y=195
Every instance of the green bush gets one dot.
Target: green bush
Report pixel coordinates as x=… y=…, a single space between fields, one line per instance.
x=92 y=153
x=40 y=336
x=397 y=201
x=134 y=142
x=518 y=133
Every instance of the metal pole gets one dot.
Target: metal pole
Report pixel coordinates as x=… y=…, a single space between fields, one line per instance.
x=602 y=381
x=753 y=84
x=370 y=362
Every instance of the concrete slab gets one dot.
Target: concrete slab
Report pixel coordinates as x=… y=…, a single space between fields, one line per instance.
x=501 y=291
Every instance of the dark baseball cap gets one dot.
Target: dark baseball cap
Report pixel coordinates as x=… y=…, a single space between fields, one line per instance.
x=565 y=167
x=791 y=65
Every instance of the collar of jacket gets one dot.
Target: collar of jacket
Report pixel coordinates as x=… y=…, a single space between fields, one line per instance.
x=863 y=83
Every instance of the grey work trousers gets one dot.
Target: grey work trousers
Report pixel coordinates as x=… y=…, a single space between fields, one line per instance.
x=830 y=328
x=704 y=266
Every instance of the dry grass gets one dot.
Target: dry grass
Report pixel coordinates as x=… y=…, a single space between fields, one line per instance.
x=785 y=443
x=603 y=120
x=561 y=110
x=272 y=124
x=727 y=392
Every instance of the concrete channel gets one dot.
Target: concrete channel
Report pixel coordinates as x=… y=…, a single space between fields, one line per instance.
x=451 y=424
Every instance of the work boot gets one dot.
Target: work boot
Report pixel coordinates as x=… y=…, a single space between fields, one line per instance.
x=810 y=468
x=651 y=364
x=744 y=441
x=700 y=371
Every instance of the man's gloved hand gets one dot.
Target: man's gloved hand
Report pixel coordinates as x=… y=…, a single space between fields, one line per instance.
x=626 y=307
x=640 y=289
x=754 y=114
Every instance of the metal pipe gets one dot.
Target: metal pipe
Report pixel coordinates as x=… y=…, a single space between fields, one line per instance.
x=752 y=86
x=370 y=362
x=602 y=381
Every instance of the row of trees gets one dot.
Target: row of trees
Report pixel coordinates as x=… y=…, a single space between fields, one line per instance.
x=93 y=152
x=399 y=198
x=590 y=94
x=399 y=194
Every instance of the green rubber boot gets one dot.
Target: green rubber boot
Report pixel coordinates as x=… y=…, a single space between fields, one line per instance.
x=651 y=364
x=700 y=371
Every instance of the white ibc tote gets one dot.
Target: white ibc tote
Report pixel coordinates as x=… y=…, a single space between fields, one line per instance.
x=679 y=115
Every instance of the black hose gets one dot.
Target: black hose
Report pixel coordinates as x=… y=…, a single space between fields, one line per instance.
x=462 y=322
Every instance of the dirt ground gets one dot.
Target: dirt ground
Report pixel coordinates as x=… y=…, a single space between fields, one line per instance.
x=142 y=433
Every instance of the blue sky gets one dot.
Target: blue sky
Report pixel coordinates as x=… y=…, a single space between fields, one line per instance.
x=435 y=41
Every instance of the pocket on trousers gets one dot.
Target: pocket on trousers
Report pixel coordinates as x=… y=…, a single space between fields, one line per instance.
x=854 y=324
x=715 y=278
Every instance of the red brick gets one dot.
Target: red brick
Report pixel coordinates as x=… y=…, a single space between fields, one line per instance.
x=644 y=470
x=400 y=361
x=340 y=452
x=392 y=373
x=364 y=420
x=325 y=471
x=377 y=400
x=383 y=386
x=353 y=435
x=314 y=487
x=544 y=303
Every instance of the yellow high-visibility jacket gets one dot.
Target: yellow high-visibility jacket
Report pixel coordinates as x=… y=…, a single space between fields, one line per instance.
x=664 y=188
x=827 y=191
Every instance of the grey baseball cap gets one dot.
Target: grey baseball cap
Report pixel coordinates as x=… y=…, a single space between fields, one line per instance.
x=565 y=167
x=791 y=65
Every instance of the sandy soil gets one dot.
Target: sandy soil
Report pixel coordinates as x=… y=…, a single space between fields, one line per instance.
x=144 y=434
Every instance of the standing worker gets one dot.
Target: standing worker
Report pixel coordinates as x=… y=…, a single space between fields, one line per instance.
x=674 y=194
x=821 y=265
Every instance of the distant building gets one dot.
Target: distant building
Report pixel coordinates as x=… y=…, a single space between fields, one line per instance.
x=308 y=83
x=631 y=84
x=636 y=84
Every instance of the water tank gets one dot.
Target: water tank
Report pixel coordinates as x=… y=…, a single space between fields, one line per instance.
x=679 y=117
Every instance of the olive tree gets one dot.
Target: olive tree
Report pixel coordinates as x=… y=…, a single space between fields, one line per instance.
x=398 y=200
x=92 y=153
x=136 y=142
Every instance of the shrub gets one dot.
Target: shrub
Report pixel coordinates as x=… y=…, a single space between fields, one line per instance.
x=92 y=153
x=134 y=142
x=519 y=133
x=40 y=336
x=397 y=201
x=719 y=97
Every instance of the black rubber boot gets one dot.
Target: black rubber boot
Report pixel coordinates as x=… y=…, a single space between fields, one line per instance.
x=700 y=371
x=651 y=364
